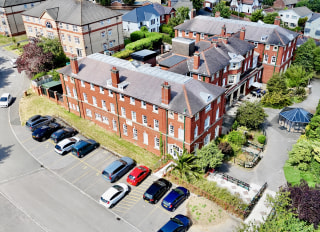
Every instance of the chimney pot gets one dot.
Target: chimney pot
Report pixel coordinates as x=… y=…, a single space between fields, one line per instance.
x=217 y=14
x=165 y=93
x=277 y=20
x=74 y=65
x=193 y=13
x=242 y=33
x=223 y=30
x=169 y=3
x=115 y=77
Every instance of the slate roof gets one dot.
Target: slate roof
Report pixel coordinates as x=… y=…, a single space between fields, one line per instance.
x=254 y=31
x=7 y=3
x=290 y=2
x=140 y=14
x=162 y=10
x=314 y=17
x=75 y=12
x=172 y=60
x=302 y=11
x=179 y=3
x=145 y=83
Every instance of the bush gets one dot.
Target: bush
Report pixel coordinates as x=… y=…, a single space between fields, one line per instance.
x=136 y=35
x=123 y=54
x=40 y=74
x=127 y=41
x=146 y=43
x=226 y=148
x=164 y=28
x=167 y=39
x=262 y=139
x=276 y=99
x=235 y=125
x=242 y=15
x=237 y=138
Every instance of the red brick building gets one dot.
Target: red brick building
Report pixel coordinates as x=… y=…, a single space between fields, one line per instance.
x=142 y=103
x=273 y=44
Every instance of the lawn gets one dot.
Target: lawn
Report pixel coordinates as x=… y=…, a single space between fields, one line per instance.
x=33 y=104
x=293 y=175
x=6 y=40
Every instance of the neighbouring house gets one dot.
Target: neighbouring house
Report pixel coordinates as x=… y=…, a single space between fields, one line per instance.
x=144 y=104
x=11 y=23
x=209 y=3
x=142 y=16
x=291 y=17
x=281 y=4
x=165 y=12
x=312 y=27
x=176 y=4
x=82 y=27
x=227 y=62
x=273 y=44
x=245 y=6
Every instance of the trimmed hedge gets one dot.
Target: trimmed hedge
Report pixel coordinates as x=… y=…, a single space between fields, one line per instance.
x=146 y=43
x=262 y=139
x=136 y=35
x=123 y=54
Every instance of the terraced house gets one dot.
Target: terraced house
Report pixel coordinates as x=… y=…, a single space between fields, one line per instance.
x=11 y=23
x=273 y=44
x=83 y=27
x=142 y=103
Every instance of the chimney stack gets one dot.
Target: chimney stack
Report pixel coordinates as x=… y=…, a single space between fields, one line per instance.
x=242 y=33
x=196 y=60
x=217 y=14
x=214 y=43
x=74 y=65
x=277 y=20
x=169 y=3
x=223 y=30
x=166 y=93
x=115 y=77
x=193 y=13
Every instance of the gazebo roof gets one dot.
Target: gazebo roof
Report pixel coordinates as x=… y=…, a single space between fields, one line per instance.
x=296 y=115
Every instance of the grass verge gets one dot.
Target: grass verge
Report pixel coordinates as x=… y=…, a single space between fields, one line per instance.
x=33 y=104
x=6 y=40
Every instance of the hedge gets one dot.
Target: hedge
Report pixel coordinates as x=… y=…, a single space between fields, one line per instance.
x=136 y=35
x=146 y=43
x=123 y=54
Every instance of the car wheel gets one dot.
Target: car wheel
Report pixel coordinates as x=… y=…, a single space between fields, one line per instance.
x=156 y=201
x=43 y=138
x=116 y=179
x=174 y=209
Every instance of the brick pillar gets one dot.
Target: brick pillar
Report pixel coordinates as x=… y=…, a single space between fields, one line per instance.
x=47 y=90
x=39 y=91
x=56 y=97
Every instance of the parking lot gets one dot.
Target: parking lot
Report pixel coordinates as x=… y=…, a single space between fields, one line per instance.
x=85 y=174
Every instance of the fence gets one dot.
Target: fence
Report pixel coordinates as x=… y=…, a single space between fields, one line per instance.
x=226 y=206
x=60 y=97
x=254 y=200
x=51 y=94
x=235 y=181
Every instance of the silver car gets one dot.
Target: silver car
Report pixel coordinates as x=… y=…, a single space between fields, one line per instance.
x=65 y=145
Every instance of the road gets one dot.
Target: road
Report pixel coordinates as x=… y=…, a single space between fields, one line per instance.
x=32 y=197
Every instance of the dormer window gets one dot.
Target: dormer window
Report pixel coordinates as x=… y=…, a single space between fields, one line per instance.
x=187 y=33
x=208 y=107
x=275 y=48
x=231 y=79
x=264 y=38
x=267 y=47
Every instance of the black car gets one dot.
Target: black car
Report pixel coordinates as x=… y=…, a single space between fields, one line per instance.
x=44 y=132
x=37 y=121
x=157 y=190
x=63 y=133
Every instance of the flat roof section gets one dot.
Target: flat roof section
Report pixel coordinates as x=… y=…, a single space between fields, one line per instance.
x=172 y=61
x=143 y=55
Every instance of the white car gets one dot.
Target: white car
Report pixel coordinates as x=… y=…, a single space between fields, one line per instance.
x=5 y=100
x=114 y=194
x=65 y=145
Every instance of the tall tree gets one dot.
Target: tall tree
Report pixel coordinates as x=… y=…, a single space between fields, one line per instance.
x=34 y=59
x=223 y=9
x=256 y=16
x=268 y=2
x=304 y=55
x=277 y=83
x=270 y=17
x=197 y=4
x=209 y=156
x=250 y=115
x=316 y=57
x=182 y=14
x=297 y=76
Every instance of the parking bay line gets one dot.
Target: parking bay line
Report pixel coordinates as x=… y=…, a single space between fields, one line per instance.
x=80 y=162
x=26 y=140
x=77 y=179
x=94 y=182
x=37 y=146
x=45 y=154
x=145 y=218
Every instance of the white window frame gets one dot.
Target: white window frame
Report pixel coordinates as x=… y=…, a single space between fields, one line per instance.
x=94 y=100
x=144 y=120
x=171 y=114
x=180 y=133
x=156 y=124
x=85 y=98
x=143 y=105
x=89 y=113
x=171 y=130
x=112 y=109
x=207 y=122
x=114 y=125
x=196 y=117
x=91 y=86
x=156 y=143
x=103 y=104
x=145 y=138
x=208 y=108
x=155 y=109
x=180 y=117
x=98 y=117
x=121 y=97
x=133 y=116
x=83 y=83
x=110 y=93
x=132 y=101
x=135 y=133
x=125 y=129
x=267 y=47
x=123 y=112
x=101 y=90
x=195 y=132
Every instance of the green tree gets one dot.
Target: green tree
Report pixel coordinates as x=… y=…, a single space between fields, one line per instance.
x=209 y=156
x=182 y=14
x=304 y=55
x=256 y=16
x=197 y=4
x=129 y=2
x=302 y=21
x=316 y=58
x=296 y=76
x=223 y=9
x=186 y=166
x=237 y=138
x=277 y=83
x=54 y=47
x=276 y=99
x=301 y=154
x=270 y=17
x=313 y=128
x=250 y=115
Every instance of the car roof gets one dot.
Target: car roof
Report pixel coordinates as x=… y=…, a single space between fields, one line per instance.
x=109 y=193
x=172 y=195
x=170 y=226
x=137 y=170
x=5 y=95
x=66 y=141
x=114 y=165
x=128 y=160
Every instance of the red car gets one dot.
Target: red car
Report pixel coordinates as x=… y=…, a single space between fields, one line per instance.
x=138 y=174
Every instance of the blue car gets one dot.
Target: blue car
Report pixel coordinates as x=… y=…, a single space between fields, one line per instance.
x=179 y=223
x=175 y=198
x=83 y=147
x=118 y=168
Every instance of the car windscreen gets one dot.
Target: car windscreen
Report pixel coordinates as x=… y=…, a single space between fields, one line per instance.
x=176 y=220
x=58 y=147
x=3 y=99
x=118 y=187
x=179 y=191
x=105 y=173
x=131 y=177
x=147 y=195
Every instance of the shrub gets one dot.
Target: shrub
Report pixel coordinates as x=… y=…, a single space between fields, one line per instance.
x=242 y=15
x=40 y=74
x=123 y=54
x=262 y=139
x=127 y=41
x=136 y=35
x=276 y=99
x=164 y=28
x=146 y=43
x=237 y=138
x=225 y=148
x=167 y=39
x=235 y=125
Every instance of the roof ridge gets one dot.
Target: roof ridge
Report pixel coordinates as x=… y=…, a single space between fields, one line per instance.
x=206 y=63
x=187 y=99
